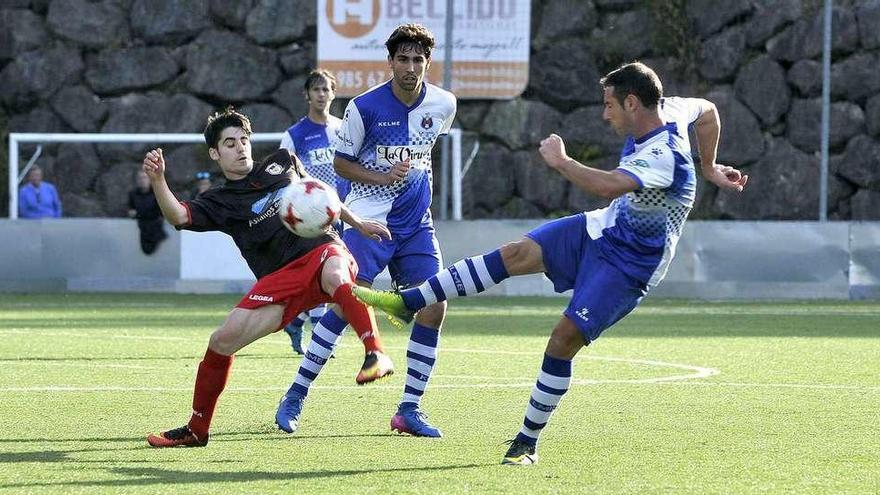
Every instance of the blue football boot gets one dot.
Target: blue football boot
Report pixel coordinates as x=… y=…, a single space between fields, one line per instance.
x=289 y=409
x=411 y=420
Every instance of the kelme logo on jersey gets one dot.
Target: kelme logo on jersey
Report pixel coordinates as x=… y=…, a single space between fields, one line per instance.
x=389 y=155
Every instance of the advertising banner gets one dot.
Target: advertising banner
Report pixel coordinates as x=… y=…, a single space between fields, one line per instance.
x=490 y=47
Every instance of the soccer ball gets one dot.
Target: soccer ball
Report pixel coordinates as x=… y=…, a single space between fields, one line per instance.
x=309 y=207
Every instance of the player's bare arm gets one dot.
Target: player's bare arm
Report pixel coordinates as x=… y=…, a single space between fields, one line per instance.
x=602 y=183
x=708 y=131
x=354 y=171
x=369 y=228
x=154 y=167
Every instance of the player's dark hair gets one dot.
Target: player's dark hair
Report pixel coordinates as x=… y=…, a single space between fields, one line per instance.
x=410 y=34
x=316 y=76
x=635 y=79
x=221 y=120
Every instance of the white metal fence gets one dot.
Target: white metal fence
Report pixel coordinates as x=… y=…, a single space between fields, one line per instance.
x=15 y=139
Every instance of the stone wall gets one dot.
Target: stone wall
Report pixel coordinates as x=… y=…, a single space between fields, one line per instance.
x=164 y=65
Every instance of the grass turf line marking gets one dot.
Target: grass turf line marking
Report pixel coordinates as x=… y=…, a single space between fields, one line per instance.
x=396 y=387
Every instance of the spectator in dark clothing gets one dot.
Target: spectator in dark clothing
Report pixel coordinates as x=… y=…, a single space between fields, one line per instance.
x=202 y=184
x=142 y=205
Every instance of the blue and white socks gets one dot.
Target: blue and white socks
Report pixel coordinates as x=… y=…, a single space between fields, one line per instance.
x=553 y=382
x=465 y=278
x=316 y=313
x=325 y=336
x=296 y=324
x=421 y=353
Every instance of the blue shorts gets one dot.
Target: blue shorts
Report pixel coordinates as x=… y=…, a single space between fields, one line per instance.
x=410 y=259
x=602 y=294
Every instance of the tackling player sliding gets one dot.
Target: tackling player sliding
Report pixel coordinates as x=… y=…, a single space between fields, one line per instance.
x=293 y=273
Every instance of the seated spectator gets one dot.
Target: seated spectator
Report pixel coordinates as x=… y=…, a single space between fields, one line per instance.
x=38 y=199
x=143 y=206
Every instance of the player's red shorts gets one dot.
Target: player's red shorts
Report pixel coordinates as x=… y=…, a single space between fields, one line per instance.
x=297 y=285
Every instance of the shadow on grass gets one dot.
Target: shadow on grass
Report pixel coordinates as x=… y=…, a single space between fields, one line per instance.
x=148 y=476
x=262 y=434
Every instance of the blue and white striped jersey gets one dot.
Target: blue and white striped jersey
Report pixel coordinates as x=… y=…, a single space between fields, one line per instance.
x=377 y=131
x=315 y=145
x=641 y=228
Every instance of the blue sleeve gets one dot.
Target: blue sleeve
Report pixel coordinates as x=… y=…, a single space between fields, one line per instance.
x=25 y=203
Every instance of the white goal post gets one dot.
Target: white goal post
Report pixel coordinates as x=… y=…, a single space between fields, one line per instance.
x=17 y=138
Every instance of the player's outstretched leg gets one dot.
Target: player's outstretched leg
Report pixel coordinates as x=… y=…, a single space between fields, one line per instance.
x=421 y=354
x=325 y=336
x=295 y=329
x=210 y=382
x=553 y=382
x=465 y=278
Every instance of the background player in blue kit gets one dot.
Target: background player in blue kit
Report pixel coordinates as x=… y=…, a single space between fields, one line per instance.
x=385 y=150
x=313 y=140
x=609 y=257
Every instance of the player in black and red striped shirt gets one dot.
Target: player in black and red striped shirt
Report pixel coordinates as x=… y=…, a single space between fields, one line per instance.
x=293 y=273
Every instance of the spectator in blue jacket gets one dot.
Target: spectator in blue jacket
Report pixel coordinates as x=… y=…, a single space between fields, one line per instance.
x=38 y=199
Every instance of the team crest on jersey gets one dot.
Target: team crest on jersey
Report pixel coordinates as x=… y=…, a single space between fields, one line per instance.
x=427 y=121
x=274 y=169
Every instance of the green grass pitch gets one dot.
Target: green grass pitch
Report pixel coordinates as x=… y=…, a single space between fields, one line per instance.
x=680 y=397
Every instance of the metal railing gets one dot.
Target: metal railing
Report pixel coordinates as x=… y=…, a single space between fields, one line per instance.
x=15 y=139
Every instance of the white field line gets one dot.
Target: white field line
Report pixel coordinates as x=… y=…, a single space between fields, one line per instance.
x=396 y=388
x=696 y=372
x=699 y=371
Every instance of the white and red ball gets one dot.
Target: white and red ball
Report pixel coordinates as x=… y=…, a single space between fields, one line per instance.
x=309 y=207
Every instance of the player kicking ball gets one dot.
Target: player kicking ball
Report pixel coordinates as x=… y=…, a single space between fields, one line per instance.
x=610 y=257
x=293 y=273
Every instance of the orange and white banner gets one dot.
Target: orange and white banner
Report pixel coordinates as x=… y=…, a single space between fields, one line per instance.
x=490 y=48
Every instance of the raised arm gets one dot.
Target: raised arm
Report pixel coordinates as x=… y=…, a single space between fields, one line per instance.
x=172 y=210
x=603 y=183
x=708 y=130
